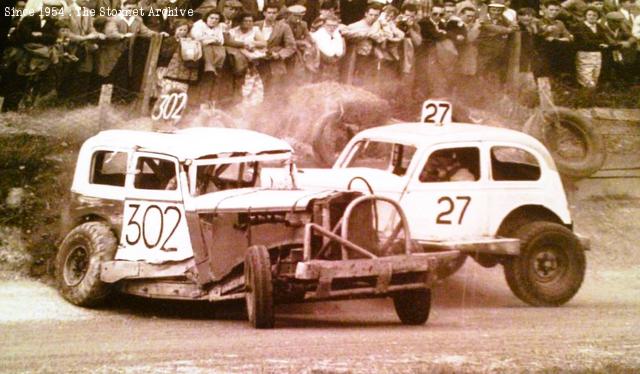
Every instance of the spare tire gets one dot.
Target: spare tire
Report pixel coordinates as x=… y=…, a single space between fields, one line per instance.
x=571 y=139
x=329 y=137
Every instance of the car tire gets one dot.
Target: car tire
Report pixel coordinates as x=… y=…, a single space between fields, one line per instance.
x=259 y=287
x=542 y=127
x=451 y=267
x=413 y=306
x=78 y=263
x=550 y=268
x=328 y=138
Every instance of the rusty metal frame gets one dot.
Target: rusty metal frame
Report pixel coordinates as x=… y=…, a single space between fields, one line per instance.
x=343 y=225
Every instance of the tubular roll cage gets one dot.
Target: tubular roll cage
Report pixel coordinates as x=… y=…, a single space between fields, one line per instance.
x=343 y=226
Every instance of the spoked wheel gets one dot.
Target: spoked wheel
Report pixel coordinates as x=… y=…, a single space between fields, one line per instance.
x=259 y=287
x=78 y=263
x=413 y=307
x=550 y=268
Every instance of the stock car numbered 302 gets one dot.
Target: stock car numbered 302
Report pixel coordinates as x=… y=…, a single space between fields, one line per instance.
x=492 y=193
x=189 y=215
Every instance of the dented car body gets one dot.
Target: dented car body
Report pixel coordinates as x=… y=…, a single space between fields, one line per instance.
x=189 y=215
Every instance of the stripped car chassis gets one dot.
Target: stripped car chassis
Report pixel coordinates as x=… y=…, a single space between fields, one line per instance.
x=371 y=276
x=326 y=265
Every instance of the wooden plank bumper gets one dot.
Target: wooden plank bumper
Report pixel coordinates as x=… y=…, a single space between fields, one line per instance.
x=383 y=268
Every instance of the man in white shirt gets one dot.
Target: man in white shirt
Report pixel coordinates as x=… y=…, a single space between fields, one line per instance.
x=331 y=46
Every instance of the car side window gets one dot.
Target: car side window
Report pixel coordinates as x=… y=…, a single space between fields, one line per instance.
x=452 y=165
x=513 y=164
x=392 y=157
x=108 y=168
x=155 y=174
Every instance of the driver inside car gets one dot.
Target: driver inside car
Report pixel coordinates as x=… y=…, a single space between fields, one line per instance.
x=445 y=167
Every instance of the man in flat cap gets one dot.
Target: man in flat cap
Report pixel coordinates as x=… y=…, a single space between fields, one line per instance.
x=620 y=62
x=306 y=60
x=492 y=40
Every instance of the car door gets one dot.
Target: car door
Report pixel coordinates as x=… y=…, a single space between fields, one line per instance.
x=451 y=205
x=154 y=227
x=380 y=167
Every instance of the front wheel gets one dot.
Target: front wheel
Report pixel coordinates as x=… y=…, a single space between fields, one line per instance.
x=259 y=287
x=78 y=263
x=550 y=268
x=413 y=307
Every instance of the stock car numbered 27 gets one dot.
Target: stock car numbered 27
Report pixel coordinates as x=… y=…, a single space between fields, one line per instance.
x=492 y=193
x=189 y=215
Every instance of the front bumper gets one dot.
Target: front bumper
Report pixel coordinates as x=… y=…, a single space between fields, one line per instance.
x=382 y=268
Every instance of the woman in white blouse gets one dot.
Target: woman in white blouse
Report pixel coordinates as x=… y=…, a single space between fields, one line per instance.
x=254 y=43
x=210 y=32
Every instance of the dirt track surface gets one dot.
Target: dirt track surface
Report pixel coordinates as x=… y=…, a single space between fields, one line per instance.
x=476 y=325
x=472 y=328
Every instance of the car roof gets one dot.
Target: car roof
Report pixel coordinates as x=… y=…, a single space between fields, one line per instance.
x=191 y=143
x=420 y=133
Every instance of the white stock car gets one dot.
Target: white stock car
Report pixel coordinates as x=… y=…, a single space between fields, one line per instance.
x=184 y=216
x=491 y=193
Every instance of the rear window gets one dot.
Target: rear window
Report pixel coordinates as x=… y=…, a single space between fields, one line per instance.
x=513 y=164
x=108 y=168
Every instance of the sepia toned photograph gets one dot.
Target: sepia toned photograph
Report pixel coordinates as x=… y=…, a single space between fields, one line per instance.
x=320 y=186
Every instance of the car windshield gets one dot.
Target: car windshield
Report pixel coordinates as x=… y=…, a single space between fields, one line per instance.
x=232 y=171
x=391 y=157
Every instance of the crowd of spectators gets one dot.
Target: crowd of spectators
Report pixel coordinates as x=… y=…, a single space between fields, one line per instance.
x=66 y=47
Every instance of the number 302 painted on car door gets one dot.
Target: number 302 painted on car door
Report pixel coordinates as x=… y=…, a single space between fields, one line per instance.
x=155 y=217
x=449 y=205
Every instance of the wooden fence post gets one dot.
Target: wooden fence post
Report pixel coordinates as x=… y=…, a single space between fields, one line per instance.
x=104 y=104
x=513 y=70
x=149 y=75
x=545 y=94
x=1 y=103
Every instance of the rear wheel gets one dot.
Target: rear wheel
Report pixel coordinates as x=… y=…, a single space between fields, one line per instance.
x=259 y=287
x=78 y=263
x=550 y=268
x=413 y=307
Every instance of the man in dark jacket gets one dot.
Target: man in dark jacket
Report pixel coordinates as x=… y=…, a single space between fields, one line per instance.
x=281 y=45
x=428 y=76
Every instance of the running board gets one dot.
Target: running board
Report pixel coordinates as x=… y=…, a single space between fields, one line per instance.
x=494 y=246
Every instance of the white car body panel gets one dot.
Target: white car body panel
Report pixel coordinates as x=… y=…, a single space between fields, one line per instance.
x=248 y=199
x=434 y=210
